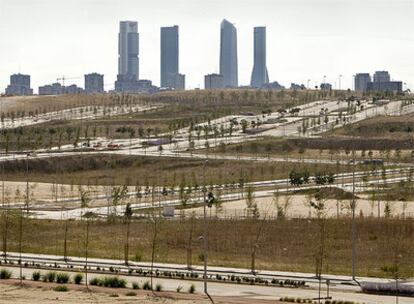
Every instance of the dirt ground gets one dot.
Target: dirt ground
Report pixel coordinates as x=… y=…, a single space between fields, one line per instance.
x=38 y=292
x=298 y=207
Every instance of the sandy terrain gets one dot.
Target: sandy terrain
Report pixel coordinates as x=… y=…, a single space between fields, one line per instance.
x=44 y=293
x=299 y=208
x=38 y=292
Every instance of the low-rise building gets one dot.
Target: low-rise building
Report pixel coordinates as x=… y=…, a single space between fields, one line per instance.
x=58 y=89
x=128 y=84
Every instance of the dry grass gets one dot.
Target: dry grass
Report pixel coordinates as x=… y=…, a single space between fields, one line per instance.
x=285 y=245
x=325 y=148
x=380 y=127
x=132 y=170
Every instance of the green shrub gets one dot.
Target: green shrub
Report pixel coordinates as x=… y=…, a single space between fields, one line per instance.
x=62 y=278
x=158 y=287
x=113 y=282
x=95 y=282
x=135 y=285
x=114 y=295
x=62 y=288
x=131 y=294
x=146 y=286
x=179 y=288
x=36 y=276
x=191 y=289
x=49 y=277
x=78 y=278
x=5 y=274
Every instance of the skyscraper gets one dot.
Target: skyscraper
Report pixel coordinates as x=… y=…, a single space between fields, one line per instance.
x=169 y=56
x=382 y=76
x=228 y=54
x=128 y=50
x=260 y=76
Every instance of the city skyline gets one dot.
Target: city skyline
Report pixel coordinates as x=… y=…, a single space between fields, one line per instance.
x=298 y=49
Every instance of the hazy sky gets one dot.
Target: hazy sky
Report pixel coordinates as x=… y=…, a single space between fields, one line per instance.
x=306 y=38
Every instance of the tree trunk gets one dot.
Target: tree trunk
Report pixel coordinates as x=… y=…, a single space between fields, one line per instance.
x=126 y=254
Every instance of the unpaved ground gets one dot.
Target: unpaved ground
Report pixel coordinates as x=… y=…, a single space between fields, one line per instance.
x=12 y=101
x=298 y=207
x=38 y=292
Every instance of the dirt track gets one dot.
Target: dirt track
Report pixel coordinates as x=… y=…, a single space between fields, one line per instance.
x=39 y=292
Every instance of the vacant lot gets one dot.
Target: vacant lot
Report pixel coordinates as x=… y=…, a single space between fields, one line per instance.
x=289 y=245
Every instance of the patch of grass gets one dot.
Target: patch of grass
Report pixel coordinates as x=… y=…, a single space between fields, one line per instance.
x=135 y=285
x=109 y=281
x=62 y=278
x=62 y=288
x=147 y=285
x=78 y=278
x=192 y=288
x=95 y=282
x=286 y=246
x=36 y=276
x=49 y=276
x=5 y=274
x=131 y=294
x=124 y=170
x=158 y=287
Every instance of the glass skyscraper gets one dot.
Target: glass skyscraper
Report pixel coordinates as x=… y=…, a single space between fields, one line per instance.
x=260 y=76
x=228 y=54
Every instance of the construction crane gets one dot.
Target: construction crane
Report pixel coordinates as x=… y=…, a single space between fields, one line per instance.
x=63 y=78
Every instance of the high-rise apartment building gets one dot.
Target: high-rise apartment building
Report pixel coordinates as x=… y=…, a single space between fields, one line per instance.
x=213 y=81
x=361 y=81
x=382 y=76
x=260 y=75
x=228 y=54
x=94 y=83
x=19 y=85
x=381 y=82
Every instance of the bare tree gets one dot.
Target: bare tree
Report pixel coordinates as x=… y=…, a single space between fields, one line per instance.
x=320 y=209
x=85 y=200
x=127 y=220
